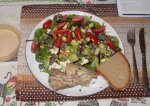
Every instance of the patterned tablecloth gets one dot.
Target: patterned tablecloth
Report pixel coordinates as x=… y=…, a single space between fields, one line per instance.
x=8 y=78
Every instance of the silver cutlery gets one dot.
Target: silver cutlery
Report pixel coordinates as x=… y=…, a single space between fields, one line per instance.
x=144 y=66
x=87 y=8
x=131 y=39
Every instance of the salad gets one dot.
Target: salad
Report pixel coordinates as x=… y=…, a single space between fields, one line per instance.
x=72 y=39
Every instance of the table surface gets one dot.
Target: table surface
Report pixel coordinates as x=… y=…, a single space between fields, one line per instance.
x=10 y=12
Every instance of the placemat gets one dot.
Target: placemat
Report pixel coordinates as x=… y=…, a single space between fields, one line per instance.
x=29 y=89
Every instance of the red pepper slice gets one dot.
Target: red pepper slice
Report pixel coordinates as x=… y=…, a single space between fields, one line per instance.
x=47 y=24
x=61 y=25
x=63 y=31
x=92 y=37
x=58 y=41
x=77 y=19
x=69 y=37
x=110 y=44
x=78 y=33
x=99 y=30
x=35 y=47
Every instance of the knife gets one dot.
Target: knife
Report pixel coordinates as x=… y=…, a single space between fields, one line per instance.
x=143 y=52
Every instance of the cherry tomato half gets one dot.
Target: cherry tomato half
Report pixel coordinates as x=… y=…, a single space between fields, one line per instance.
x=58 y=41
x=77 y=19
x=61 y=25
x=69 y=37
x=62 y=32
x=78 y=33
x=110 y=44
x=35 y=47
x=92 y=37
x=99 y=30
x=47 y=24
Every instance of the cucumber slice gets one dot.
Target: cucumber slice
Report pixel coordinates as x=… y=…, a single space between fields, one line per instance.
x=97 y=51
x=74 y=43
x=73 y=57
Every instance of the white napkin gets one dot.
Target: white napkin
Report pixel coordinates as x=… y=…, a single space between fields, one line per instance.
x=134 y=8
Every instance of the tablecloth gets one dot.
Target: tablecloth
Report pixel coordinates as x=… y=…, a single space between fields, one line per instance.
x=8 y=78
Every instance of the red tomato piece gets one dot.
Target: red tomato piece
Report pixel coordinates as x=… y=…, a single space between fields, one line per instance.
x=78 y=33
x=35 y=47
x=110 y=44
x=47 y=24
x=64 y=18
x=62 y=32
x=58 y=41
x=77 y=19
x=61 y=25
x=99 y=30
x=92 y=37
x=69 y=37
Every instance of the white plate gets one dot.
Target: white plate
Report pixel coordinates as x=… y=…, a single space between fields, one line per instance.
x=96 y=85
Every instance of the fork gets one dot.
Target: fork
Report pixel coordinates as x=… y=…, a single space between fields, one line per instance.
x=85 y=7
x=131 y=39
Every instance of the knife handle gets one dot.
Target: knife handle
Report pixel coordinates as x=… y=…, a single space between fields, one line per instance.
x=135 y=70
x=144 y=75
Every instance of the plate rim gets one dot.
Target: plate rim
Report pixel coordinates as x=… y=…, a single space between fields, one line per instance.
x=35 y=27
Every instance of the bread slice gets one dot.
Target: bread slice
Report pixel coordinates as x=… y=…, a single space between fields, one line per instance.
x=116 y=71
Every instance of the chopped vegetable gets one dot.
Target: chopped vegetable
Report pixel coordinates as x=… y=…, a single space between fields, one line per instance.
x=47 y=24
x=99 y=30
x=73 y=57
x=64 y=18
x=72 y=38
x=111 y=45
x=61 y=25
x=58 y=41
x=96 y=24
x=70 y=25
x=53 y=26
x=43 y=56
x=62 y=32
x=95 y=62
x=78 y=33
x=97 y=50
x=92 y=37
x=74 y=43
x=69 y=37
x=77 y=19
x=86 y=50
x=35 y=47
x=38 y=33
x=57 y=18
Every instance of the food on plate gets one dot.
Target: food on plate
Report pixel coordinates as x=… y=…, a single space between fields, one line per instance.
x=116 y=70
x=68 y=39
x=74 y=75
x=9 y=41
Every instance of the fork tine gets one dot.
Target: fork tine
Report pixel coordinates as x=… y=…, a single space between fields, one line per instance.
x=133 y=33
x=128 y=35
